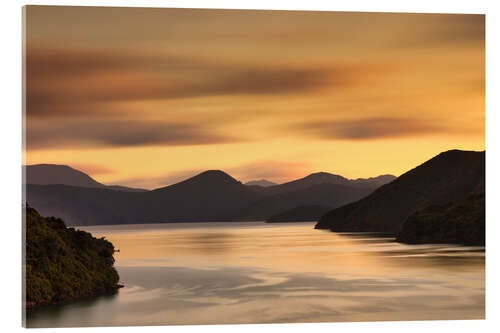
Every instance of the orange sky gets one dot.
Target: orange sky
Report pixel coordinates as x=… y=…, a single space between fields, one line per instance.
x=147 y=97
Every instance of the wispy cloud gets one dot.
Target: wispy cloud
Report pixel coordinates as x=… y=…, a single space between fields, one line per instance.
x=442 y=31
x=69 y=81
x=371 y=128
x=120 y=133
x=195 y=86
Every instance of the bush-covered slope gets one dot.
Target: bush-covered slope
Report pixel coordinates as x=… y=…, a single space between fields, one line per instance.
x=63 y=263
x=460 y=222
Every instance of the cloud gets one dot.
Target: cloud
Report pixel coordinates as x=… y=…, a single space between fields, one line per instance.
x=72 y=82
x=442 y=30
x=75 y=97
x=119 y=133
x=365 y=129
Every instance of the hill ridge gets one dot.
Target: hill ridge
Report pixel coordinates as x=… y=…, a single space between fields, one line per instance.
x=449 y=176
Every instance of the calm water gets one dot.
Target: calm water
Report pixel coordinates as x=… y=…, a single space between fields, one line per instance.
x=271 y=273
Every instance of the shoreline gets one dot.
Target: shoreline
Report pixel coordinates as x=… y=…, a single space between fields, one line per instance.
x=111 y=291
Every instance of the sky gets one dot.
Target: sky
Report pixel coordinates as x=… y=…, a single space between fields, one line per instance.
x=147 y=97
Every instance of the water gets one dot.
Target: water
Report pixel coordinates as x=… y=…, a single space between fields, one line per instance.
x=221 y=273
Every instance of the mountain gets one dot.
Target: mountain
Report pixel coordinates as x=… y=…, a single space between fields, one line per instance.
x=45 y=174
x=300 y=214
x=64 y=264
x=459 y=222
x=450 y=176
x=52 y=174
x=124 y=188
x=324 y=194
x=261 y=182
x=328 y=178
x=374 y=181
x=210 y=196
x=317 y=189
x=85 y=205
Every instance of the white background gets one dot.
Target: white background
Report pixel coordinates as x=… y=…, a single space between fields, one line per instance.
x=10 y=159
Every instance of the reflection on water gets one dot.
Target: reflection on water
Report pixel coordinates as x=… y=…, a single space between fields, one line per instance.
x=262 y=273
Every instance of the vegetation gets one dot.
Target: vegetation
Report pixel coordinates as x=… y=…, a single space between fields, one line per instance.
x=458 y=223
x=63 y=263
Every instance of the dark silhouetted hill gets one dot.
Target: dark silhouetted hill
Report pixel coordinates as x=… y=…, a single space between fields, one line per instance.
x=328 y=178
x=85 y=205
x=63 y=263
x=124 y=188
x=261 y=182
x=210 y=196
x=48 y=174
x=374 y=181
x=301 y=214
x=53 y=174
x=317 y=189
x=459 y=222
x=450 y=176
x=324 y=194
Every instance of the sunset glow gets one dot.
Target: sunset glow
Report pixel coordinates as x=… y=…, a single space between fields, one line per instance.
x=147 y=97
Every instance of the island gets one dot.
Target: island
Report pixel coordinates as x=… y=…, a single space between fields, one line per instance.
x=64 y=264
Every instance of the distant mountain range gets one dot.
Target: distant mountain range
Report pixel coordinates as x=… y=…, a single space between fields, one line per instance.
x=281 y=198
x=50 y=174
x=328 y=178
x=301 y=214
x=261 y=182
x=440 y=201
x=210 y=196
x=444 y=182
